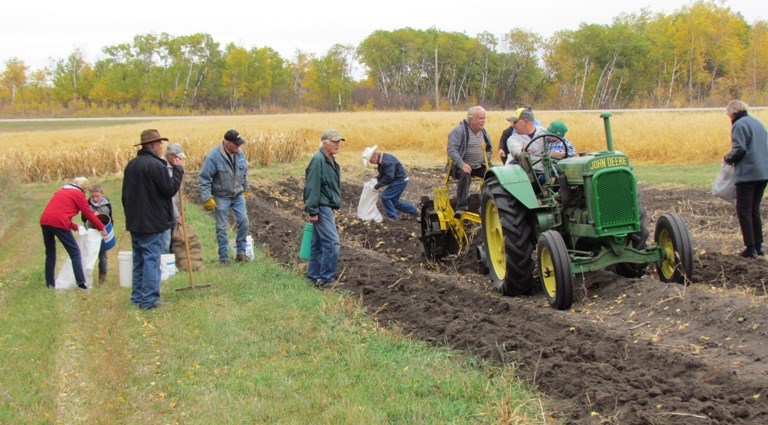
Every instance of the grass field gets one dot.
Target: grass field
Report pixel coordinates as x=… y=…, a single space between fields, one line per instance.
x=257 y=346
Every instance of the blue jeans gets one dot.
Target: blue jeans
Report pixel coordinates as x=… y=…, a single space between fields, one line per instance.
x=223 y=205
x=66 y=238
x=390 y=198
x=167 y=238
x=324 y=256
x=102 y=261
x=147 y=248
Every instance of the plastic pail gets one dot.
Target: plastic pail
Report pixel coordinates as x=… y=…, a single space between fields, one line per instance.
x=167 y=266
x=125 y=261
x=306 y=242
x=108 y=242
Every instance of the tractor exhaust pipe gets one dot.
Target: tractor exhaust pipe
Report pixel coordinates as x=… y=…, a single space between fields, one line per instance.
x=606 y=116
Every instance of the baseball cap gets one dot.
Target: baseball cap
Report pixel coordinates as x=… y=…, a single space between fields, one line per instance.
x=234 y=137
x=521 y=113
x=557 y=127
x=331 y=135
x=175 y=148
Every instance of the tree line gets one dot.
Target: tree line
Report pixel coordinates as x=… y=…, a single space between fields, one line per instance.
x=701 y=55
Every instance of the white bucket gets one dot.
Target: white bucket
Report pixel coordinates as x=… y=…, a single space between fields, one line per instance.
x=125 y=261
x=167 y=266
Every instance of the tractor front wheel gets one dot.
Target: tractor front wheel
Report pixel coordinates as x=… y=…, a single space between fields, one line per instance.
x=508 y=239
x=555 y=270
x=672 y=238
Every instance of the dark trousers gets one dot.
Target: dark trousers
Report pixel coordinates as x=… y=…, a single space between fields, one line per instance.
x=748 y=197
x=102 y=261
x=65 y=236
x=462 y=188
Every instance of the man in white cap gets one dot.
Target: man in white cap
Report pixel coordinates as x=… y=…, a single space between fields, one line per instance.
x=147 y=193
x=392 y=174
x=174 y=150
x=322 y=195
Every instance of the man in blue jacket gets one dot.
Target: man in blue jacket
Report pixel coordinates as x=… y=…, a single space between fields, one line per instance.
x=147 y=192
x=224 y=186
x=392 y=175
x=322 y=195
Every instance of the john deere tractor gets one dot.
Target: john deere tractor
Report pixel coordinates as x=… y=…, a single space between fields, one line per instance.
x=585 y=216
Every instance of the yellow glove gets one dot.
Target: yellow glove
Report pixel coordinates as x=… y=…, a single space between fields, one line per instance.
x=210 y=204
x=246 y=192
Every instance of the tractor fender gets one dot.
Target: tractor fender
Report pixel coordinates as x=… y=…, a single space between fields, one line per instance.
x=515 y=180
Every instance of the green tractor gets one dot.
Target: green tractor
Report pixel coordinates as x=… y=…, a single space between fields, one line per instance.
x=586 y=216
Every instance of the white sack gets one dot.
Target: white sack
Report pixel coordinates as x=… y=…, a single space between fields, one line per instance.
x=366 y=208
x=724 y=185
x=89 y=243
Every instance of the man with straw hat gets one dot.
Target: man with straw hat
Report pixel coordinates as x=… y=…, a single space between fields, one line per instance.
x=147 y=192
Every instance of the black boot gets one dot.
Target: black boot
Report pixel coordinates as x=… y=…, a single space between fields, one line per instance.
x=749 y=252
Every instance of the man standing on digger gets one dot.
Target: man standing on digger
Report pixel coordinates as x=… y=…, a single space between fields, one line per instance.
x=469 y=150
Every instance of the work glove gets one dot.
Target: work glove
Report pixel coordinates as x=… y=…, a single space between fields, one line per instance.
x=81 y=230
x=210 y=204
x=377 y=187
x=246 y=193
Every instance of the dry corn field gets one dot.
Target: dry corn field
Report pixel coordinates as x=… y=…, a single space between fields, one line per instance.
x=418 y=138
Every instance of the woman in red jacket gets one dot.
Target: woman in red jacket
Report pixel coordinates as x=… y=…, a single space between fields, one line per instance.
x=56 y=222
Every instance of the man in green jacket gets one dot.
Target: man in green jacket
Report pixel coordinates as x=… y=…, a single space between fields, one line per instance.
x=322 y=195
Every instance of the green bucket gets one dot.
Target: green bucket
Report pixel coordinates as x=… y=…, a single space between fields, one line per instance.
x=306 y=242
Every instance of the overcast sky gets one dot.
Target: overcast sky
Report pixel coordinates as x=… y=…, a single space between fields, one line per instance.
x=44 y=30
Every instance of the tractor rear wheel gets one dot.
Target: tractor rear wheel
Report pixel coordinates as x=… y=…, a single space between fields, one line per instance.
x=508 y=239
x=672 y=237
x=555 y=270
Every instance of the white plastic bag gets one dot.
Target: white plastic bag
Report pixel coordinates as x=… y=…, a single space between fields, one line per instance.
x=366 y=208
x=724 y=186
x=249 y=252
x=249 y=247
x=89 y=243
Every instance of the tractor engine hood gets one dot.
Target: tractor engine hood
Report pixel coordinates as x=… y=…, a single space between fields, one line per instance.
x=577 y=168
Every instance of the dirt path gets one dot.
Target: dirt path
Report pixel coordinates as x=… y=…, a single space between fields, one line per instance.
x=630 y=351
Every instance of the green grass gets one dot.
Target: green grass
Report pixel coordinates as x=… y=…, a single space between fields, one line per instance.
x=257 y=346
x=693 y=175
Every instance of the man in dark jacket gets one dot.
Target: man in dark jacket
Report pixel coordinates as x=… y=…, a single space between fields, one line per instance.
x=147 y=192
x=392 y=175
x=322 y=195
